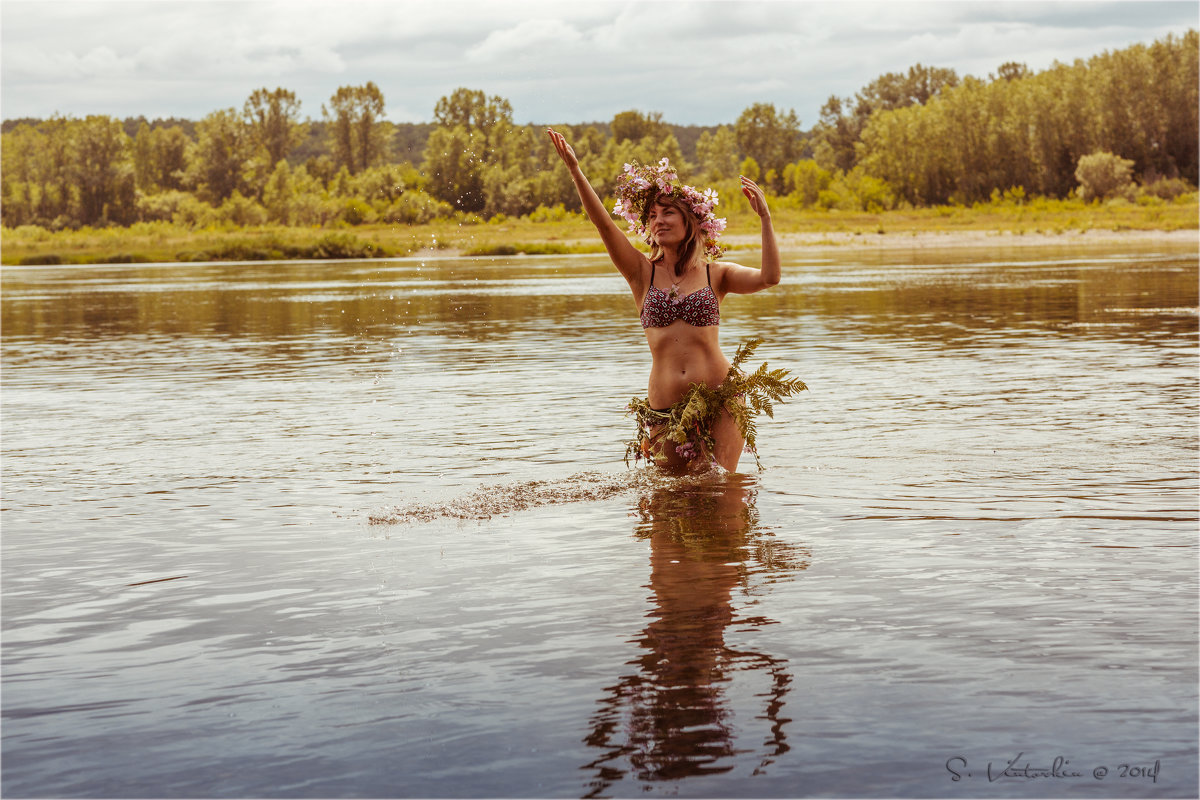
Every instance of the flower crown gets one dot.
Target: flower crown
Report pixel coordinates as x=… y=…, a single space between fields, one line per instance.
x=639 y=187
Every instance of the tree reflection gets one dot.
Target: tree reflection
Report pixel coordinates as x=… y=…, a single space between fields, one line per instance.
x=672 y=717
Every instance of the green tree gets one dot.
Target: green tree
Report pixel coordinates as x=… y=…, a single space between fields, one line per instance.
x=19 y=190
x=454 y=160
x=608 y=163
x=278 y=194
x=356 y=139
x=37 y=187
x=160 y=158
x=806 y=179
x=102 y=171
x=274 y=120
x=768 y=136
x=220 y=159
x=634 y=126
x=835 y=135
x=1175 y=61
x=1012 y=71
x=517 y=180
x=473 y=110
x=143 y=158
x=475 y=137
x=718 y=154
x=842 y=124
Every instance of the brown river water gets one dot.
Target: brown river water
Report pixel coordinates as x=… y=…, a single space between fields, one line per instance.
x=363 y=529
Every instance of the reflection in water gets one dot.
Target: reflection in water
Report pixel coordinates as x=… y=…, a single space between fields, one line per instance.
x=672 y=717
x=289 y=309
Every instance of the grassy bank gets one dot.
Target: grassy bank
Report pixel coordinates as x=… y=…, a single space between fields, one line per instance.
x=164 y=241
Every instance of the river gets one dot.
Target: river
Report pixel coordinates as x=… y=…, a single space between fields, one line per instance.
x=363 y=529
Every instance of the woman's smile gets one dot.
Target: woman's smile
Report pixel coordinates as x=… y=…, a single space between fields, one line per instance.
x=666 y=223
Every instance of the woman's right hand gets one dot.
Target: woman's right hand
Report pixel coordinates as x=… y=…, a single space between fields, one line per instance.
x=565 y=152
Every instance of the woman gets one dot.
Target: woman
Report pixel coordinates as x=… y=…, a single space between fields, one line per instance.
x=699 y=407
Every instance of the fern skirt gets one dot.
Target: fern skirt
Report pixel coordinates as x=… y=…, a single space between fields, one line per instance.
x=695 y=432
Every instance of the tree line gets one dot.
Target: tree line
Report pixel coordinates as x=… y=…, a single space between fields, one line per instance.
x=922 y=137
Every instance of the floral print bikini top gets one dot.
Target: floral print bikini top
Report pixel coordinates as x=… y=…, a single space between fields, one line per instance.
x=697 y=309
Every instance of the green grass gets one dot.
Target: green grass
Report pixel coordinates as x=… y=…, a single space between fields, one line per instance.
x=164 y=241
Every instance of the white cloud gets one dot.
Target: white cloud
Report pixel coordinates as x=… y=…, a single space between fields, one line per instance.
x=531 y=38
x=37 y=64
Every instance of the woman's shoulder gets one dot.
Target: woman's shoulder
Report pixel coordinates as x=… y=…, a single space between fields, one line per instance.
x=722 y=266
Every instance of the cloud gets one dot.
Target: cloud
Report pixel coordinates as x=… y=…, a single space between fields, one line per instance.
x=696 y=62
x=529 y=39
x=39 y=64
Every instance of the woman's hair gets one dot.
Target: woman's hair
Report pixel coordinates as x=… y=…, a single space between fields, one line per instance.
x=693 y=239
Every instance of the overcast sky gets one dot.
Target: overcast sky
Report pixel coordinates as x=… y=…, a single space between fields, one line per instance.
x=696 y=62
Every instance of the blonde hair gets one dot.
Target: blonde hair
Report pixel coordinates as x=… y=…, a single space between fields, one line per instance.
x=692 y=247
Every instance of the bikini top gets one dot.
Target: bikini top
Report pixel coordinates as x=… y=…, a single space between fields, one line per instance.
x=697 y=309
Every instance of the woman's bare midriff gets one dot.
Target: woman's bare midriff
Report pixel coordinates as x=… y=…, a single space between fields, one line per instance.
x=682 y=355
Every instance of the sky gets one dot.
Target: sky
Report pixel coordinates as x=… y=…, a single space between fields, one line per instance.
x=698 y=63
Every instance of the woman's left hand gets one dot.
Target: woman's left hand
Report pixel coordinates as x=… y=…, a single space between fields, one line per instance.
x=758 y=200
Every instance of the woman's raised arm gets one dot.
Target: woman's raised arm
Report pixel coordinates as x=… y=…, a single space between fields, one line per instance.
x=744 y=280
x=625 y=257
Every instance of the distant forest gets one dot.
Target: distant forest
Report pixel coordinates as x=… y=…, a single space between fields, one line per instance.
x=1120 y=124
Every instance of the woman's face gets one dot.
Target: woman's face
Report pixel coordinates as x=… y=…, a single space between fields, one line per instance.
x=667 y=225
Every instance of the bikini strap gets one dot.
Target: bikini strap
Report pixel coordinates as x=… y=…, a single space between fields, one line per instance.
x=648 y=288
x=708 y=272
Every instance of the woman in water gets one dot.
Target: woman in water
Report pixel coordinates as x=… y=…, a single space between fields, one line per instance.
x=699 y=407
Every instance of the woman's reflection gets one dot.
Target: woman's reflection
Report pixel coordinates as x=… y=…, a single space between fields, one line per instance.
x=671 y=718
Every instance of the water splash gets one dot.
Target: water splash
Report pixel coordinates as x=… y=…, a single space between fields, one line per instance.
x=500 y=499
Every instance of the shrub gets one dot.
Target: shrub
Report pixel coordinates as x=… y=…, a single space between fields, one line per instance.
x=43 y=259
x=751 y=169
x=240 y=211
x=831 y=198
x=806 y=179
x=1103 y=175
x=1013 y=196
x=192 y=213
x=873 y=194
x=525 y=248
x=30 y=233
x=312 y=209
x=415 y=207
x=344 y=245
x=1166 y=188
x=161 y=207
x=123 y=258
x=356 y=212
x=556 y=213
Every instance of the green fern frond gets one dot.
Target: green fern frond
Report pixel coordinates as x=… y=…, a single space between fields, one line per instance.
x=745 y=351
